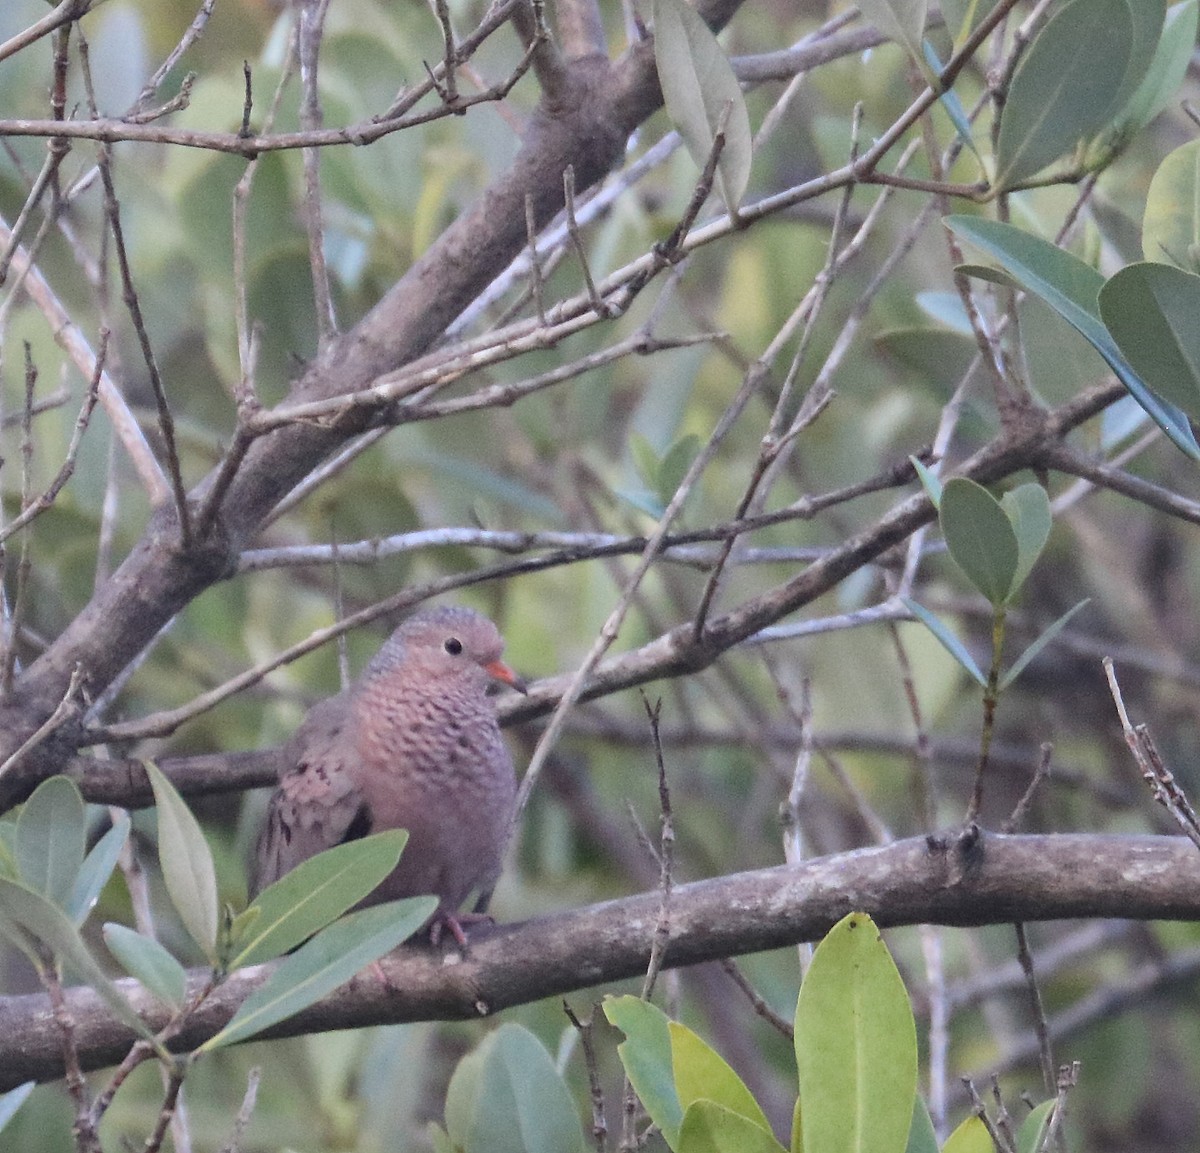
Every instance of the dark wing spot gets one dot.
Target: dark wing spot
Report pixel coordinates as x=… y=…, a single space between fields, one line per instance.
x=360 y=826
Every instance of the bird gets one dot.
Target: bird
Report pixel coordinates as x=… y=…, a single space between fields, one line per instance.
x=413 y=744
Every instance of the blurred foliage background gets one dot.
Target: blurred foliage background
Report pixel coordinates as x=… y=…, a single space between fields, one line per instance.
x=578 y=457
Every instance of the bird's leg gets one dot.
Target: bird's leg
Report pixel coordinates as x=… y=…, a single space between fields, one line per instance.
x=444 y=920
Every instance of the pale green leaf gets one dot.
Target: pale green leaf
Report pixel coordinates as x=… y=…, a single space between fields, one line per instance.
x=1151 y=310
x=979 y=536
x=1147 y=18
x=50 y=839
x=1171 y=221
x=702 y=1074
x=1072 y=289
x=312 y=895
x=856 y=1045
x=674 y=465
x=329 y=960
x=921 y=1137
x=646 y=1056
x=187 y=863
x=700 y=90
x=1033 y=1128
x=1166 y=70
x=948 y=640
x=512 y=1099
x=11 y=1101
x=900 y=20
x=22 y=908
x=709 y=1127
x=147 y=960
x=1028 y=510
x=97 y=867
x=1036 y=647
x=1065 y=87
x=930 y=483
x=970 y=1137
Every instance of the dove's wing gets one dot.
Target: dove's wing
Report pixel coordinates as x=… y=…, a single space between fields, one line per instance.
x=317 y=804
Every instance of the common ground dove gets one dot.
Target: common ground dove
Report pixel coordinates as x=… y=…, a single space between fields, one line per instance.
x=413 y=744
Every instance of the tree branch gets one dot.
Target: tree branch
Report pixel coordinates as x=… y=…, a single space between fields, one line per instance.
x=999 y=880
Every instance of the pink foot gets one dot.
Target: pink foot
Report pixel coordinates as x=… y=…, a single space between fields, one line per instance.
x=454 y=922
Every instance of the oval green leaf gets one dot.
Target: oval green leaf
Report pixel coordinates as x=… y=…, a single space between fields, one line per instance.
x=187 y=863
x=1072 y=289
x=50 y=839
x=1033 y=1128
x=329 y=960
x=149 y=962
x=856 y=1045
x=979 y=536
x=1065 y=88
x=31 y=912
x=709 y=1127
x=1151 y=310
x=646 y=1056
x=1167 y=69
x=702 y=1074
x=1028 y=510
x=97 y=867
x=921 y=1137
x=1147 y=18
x=1171 y=222
x=970 y=1137
x=312 y=895
x=698 y=85
x=511 y=1099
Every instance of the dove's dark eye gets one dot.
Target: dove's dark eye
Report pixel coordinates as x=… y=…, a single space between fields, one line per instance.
x=453 y=646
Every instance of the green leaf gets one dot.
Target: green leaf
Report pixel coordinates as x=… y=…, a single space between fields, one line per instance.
x=50 y=839
x=329 y=960
x=698 y=85
x=950 y=100
x=23 y=909
x=144 y=958
x=674 y=465
x=1065 y=87
x=1033 y=1128
x=979 y=536
x=900 y=20
x=1036 y=647
x=11 y=1101
x=964 y=16
x=1072 y=289
x=1166 y=70
x=646 y=1055
x=930 y=483
x=937 y=355
x=1028 y=510
x=97 y=867
x=8 y=849
x=921 y=1137
x=856 y=1045
x=1147 y=17
x=645 y=460
x=701 y=1074
x=1171 y=222
x=510 y=1098
x=439 y=1139
x=312 y=895
x=948 y=640
x=187 y=863
x=709 y=1127
x=970 y=1137
x=1151 y=311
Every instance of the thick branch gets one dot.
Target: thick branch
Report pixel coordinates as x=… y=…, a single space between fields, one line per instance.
x=1002 y=879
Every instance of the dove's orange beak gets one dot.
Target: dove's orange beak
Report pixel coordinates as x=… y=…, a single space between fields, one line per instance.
x=501 y=672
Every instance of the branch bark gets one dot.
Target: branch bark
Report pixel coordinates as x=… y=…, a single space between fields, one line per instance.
x=1000 y=880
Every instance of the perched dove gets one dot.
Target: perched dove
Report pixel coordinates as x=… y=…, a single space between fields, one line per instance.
x=413 y=744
